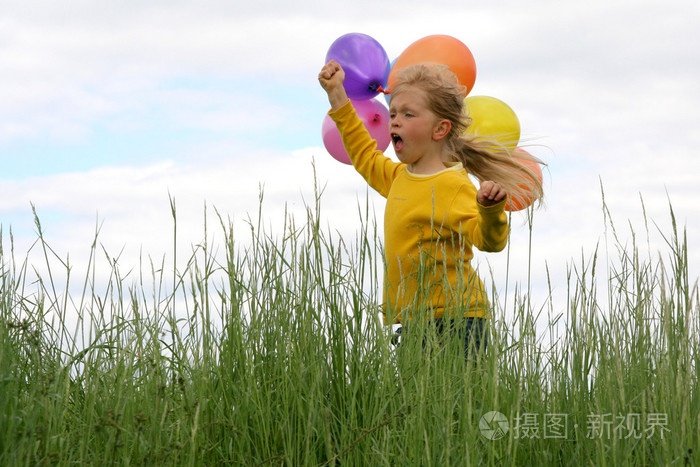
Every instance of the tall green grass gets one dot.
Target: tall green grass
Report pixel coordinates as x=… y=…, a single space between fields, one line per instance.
x=268 y=350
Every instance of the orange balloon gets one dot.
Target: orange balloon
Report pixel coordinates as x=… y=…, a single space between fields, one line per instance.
x=517 y=204
x=437 y=49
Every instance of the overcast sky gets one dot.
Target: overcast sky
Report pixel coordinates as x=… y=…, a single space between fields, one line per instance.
x=107 y=109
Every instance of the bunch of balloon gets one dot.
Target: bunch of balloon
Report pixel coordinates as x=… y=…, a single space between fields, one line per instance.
x=366 y=65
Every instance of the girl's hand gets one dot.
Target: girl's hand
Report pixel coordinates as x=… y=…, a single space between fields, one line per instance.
x=331 y=78
x=490 y=193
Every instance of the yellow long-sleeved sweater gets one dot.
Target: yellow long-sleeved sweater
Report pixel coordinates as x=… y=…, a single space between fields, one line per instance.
x=431 y=223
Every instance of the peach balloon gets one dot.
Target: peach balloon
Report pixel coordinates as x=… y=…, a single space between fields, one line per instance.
x=515 y=203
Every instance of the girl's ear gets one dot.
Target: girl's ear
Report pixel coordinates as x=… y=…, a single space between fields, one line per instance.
x=442 y=129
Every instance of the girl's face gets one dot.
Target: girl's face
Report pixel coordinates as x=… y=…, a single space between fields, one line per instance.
x=412 y=125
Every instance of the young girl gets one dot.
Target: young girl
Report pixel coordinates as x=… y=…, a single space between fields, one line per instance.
x=434 y=215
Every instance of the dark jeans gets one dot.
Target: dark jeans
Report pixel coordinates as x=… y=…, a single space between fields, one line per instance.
x=472 y=331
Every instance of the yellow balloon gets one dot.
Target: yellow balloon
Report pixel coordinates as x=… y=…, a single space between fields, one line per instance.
x=494 y=119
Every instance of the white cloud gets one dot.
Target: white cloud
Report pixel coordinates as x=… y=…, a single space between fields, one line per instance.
x=132 y=203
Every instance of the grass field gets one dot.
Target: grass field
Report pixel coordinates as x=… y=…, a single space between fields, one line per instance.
x=270 y=352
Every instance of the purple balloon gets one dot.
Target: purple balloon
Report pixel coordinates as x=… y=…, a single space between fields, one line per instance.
x=365 y=62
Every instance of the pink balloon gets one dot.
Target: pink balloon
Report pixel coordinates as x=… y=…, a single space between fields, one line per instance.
x=374 y=116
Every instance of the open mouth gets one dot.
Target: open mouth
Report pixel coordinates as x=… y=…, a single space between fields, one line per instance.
x=398 y=142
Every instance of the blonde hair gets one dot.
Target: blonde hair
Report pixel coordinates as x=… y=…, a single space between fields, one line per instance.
x=485 y=158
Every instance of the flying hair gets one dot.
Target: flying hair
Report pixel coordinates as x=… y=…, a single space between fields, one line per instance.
x=485 y=158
